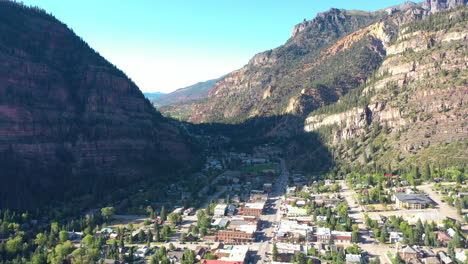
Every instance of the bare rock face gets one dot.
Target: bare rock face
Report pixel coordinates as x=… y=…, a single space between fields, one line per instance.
x=419 y=94
x=435 y=6
x=69 y=118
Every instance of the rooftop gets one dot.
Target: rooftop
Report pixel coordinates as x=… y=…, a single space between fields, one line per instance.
x=413 y=198
x=322 y=231
x=255 y=205
x=235 y=253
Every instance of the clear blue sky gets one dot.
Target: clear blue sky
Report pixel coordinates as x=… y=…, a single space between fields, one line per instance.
x=165 y=45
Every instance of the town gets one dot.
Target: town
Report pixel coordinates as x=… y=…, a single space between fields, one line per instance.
x=260 y=212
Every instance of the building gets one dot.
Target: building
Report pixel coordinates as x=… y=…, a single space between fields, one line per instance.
x=412 y=201
x=254 y=209
x=220 y=222
x=442 y=237
x=444 y=258
x=291 y=229
x=220 y=210
x=288 y=248
x=235 y=236
x=323 y=235
x=462 y=255
x=341 y=237
x=426 y=217
x=296 y=211
x=353 y=258
x=229 y=255
x=408 y=252
x=396 y=237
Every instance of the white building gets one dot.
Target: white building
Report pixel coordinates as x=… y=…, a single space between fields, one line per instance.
x=220 y=210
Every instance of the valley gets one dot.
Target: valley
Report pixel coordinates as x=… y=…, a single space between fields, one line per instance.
x=346 y=144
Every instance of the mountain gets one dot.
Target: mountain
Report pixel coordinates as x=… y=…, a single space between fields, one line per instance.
x=311 y=70
x=413 y=110
x=193 y=92
x=71 y=123
x=153 y=95
x=384 y=89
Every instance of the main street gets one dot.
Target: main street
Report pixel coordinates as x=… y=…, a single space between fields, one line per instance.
x=271 y=217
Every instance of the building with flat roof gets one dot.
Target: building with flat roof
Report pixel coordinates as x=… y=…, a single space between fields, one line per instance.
x=233 y=253
x=234 y=236
x=288 y=248
x=220 y=210
x=323 y=235
x=255 y=209
x=412 y=201
x=296 y=211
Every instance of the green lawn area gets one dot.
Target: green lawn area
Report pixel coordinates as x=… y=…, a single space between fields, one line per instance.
x=259 y=168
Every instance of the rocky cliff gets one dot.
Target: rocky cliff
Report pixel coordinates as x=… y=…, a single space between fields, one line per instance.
x=71 y=122
x=303 y=74
x=414 y=109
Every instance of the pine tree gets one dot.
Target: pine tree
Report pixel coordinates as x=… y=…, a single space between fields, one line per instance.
x=275 y=252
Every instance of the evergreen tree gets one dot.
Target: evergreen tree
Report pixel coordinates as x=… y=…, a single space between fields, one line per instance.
x=275 y=252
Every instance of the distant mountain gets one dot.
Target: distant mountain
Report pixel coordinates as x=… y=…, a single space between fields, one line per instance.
x=71 y=123
x=193 y=92
x=153 y=95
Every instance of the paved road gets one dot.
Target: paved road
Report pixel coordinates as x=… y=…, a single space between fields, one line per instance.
x=356 y=213
x=272 y=216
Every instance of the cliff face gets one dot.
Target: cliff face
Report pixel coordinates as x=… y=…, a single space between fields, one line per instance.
x=69 y=119
x=415 y=107
x=299 y=76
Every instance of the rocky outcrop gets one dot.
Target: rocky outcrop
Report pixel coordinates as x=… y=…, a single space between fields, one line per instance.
x=435 y=6
x=419 y=94
x=71 y=122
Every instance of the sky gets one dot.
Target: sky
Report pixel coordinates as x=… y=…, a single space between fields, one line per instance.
x=163 y=45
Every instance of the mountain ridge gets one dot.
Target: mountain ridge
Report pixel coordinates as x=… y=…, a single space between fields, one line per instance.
x=70 y=121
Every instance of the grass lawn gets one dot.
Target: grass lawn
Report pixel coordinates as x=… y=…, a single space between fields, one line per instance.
x=259 y=168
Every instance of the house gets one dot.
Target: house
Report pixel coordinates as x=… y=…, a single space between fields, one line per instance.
x=442 y=237
x=353 y=258
x=444 y=258
x=431 y=260
x=141 y=252
x=200 y=251
x=291 y=189
x=175 y=256
x=220 y=222
x=113 y=261
x=75 y=235
x=321 y=218
x=450 y=232
x=300 y=203
x=408 y=252
x=231 y=210
x=189 y=211
x=462 y=255
x=220 y=210
x=396 y=237
x=267 y=187
x=412 y=201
